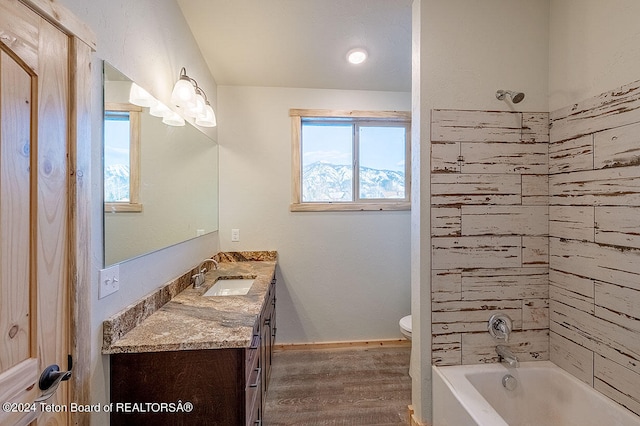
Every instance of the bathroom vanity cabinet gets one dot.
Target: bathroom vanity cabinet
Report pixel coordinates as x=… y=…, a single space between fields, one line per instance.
x=225 y=386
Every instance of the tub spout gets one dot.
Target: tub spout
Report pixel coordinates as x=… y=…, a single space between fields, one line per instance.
x=507 y=356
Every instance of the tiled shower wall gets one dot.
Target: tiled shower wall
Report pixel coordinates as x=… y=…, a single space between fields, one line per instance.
x=594 y=228
x=505 y=201
x=489 y=228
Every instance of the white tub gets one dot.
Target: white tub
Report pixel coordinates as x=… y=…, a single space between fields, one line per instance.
x=546 y=395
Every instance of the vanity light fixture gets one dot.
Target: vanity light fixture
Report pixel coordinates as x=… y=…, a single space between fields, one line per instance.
x=197 y=107
x=184 y=91
x=209 y=119
x=192 y=100
x=357 y=56
x=139 y=96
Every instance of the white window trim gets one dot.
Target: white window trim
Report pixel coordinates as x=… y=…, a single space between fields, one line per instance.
x=296 y=167
x=133 y=205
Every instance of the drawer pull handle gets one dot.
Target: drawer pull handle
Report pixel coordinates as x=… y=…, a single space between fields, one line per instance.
x=255 y=385
x=256 y=342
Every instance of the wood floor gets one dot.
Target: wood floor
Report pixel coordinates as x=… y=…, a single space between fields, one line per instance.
x=344 y=386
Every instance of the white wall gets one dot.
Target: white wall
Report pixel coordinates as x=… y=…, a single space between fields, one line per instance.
x=149 y=41
x=475 y=47
x=342 y=276
x=468 y=49
x=594 y=47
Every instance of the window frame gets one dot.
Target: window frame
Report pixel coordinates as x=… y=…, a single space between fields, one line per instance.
x=135 y=114
x=362 y=118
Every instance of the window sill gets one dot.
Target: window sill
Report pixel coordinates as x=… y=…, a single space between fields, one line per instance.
x=122 y=207
x=344 y=207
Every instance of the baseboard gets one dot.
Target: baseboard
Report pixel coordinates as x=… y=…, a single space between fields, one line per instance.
x=413 y=420
x=394 y=343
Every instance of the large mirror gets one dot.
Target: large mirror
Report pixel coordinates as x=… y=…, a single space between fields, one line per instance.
x=160 y=181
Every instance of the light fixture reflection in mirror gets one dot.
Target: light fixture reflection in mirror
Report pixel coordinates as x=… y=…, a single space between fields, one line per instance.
x=139 y=96
x=159 y=110
x=176 y=180
x=173 y=119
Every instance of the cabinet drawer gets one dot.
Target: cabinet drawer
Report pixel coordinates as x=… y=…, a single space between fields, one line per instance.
x=254 y=417
x=252 y=355
x=253 y=396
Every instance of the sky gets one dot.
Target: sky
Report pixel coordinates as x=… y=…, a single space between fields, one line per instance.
x=116 y=142
x=381 y=147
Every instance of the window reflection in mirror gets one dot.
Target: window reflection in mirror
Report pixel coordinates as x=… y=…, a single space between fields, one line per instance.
x=121 y=157
x=160 y=182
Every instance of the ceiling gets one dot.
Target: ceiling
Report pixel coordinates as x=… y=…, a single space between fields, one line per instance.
x=303 y=43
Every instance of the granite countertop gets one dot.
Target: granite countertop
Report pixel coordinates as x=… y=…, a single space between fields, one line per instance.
x=191 y=321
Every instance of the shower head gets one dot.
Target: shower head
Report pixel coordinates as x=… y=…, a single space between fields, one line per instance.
x=516 y=97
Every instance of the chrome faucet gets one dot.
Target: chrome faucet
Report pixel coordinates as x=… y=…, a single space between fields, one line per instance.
x=198 y=278
x=507 y=357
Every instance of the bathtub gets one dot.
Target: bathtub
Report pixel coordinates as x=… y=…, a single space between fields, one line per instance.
x=545 y=395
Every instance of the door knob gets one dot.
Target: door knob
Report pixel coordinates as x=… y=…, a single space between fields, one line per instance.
x=50 y=380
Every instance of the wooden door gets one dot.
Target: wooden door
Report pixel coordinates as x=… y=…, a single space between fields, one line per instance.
x=34 y=214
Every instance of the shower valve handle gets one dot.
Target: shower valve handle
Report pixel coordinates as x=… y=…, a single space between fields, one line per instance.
x=500 y=326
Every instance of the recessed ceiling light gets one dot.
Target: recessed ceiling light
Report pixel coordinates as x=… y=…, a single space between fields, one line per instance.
x=357 y=56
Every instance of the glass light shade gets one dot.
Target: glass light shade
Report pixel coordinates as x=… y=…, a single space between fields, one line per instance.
x=184 y=93
x=159 y=110
x=139 y=96
x=197 y=108
x=173 y=119
x=200 y=104
x=208 y=118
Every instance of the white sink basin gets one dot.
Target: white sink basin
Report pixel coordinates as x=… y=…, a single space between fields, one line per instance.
x=230 y=287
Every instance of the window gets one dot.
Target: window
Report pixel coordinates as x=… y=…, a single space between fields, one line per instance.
x=350 y=160
x=122 y=158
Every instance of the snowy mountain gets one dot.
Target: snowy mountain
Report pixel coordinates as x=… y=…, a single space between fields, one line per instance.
x=330 y=182
x=116 y=183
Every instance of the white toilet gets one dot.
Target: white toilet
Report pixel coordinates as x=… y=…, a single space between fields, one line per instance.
x=405 y=326
x=405 y=329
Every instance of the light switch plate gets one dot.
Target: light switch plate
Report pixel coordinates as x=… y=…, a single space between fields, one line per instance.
x=235 y=235
x=109 y=281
